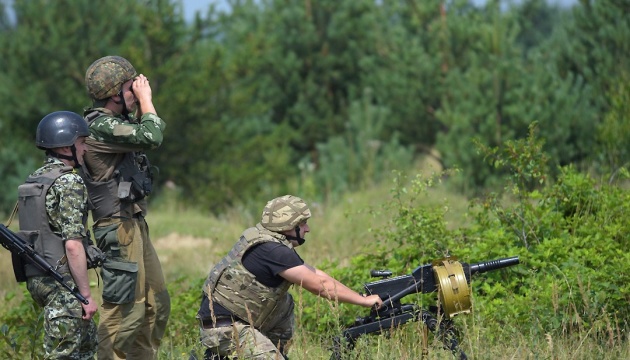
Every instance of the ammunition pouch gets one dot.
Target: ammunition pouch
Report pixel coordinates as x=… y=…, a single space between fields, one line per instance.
x=119 y=281
x=18 y=267
x=19 y=264
x=135 y=178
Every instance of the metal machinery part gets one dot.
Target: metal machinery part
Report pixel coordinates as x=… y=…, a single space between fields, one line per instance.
x=453 y=289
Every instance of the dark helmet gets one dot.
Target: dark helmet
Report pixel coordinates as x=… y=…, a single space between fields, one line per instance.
x=106 y=75
x=284 y=213
x=60 y=128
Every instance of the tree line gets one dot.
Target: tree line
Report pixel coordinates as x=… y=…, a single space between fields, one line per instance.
x=319 y=97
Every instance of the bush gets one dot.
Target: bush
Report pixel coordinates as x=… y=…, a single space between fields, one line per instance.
x=571 y=237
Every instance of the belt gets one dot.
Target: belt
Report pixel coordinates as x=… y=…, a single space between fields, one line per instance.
x=220 y=322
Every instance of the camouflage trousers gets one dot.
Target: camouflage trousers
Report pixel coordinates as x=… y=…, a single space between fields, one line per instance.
x=241 y=341
x=66 y=334
x=136 y=305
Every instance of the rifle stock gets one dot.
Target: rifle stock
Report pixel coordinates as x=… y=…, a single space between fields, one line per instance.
x=21 y=248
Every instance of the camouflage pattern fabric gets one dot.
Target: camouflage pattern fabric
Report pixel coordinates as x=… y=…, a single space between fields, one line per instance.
x=112 y=137
x=251 y=344
x=144 y=135
x=284 y=213
x=232 y=286
x=132 y=329
x=66 y=201
x=106 y=75
x=67 y=335
x=242 y=341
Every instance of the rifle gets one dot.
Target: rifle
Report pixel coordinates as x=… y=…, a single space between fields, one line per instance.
x=20 y=249
x=448 y=277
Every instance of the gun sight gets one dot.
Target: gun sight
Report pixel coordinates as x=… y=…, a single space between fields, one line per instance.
x=380 y=273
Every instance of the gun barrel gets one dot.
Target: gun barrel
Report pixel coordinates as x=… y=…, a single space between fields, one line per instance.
x=491 y=265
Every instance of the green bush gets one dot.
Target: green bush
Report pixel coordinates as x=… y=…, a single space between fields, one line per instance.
x=21 y=329
x=571 y=237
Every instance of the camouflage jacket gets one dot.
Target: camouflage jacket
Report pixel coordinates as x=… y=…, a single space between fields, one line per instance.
x=66 y=201
x=53 y=209
x=232 y=286
x=112 y=138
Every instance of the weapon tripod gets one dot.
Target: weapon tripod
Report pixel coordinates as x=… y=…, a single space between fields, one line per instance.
x=444 y=329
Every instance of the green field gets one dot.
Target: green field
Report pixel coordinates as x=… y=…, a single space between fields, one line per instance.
x=189 y=242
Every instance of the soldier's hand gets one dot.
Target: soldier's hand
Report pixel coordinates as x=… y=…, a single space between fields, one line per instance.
x=90 y=309
x=142 y=92
x=142 y=89
x=374 y=301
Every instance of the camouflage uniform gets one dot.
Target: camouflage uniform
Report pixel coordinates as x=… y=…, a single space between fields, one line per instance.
x=136 y=303
x=268 y=310
x=67 y=335
x=252 y=344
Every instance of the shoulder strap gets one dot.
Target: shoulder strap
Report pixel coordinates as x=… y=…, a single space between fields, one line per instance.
x=13 y=213
x=93 y=115
x=49 y=177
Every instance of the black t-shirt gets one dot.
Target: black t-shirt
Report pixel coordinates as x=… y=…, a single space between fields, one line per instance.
x=265 y=261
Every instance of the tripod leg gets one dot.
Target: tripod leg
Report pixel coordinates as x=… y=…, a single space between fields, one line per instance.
x=447 y=333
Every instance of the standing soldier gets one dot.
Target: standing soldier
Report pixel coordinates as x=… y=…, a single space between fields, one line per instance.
x=53 y=217
x=123 y=124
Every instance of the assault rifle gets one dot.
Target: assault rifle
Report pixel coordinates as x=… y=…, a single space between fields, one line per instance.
x=448 y=277
x=21 y=250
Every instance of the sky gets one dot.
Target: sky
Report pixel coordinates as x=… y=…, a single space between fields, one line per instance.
x=190 y=6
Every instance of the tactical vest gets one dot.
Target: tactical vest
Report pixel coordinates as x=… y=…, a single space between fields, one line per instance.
x=34 y=225
x=131 y=182
x=232 y=286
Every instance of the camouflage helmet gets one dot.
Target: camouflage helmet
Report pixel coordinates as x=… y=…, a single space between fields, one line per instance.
x=284 y=213
x=106 y=75
x=60 y=128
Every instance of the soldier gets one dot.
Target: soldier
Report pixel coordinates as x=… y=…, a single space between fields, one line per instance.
x=246 y=292
x=123 y=124
x=53 y=217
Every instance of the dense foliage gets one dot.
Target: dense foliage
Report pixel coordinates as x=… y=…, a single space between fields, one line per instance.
x=570 y=235
x=257 y=96
x=530 y=102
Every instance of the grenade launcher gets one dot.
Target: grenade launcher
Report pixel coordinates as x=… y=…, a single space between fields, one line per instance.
x=448 y=277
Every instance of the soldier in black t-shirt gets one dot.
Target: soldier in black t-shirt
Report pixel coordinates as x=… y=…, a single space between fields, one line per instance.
x=265 y=261
x=246 y=310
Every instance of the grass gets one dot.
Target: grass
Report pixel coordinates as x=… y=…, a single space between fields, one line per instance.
x=189 y=242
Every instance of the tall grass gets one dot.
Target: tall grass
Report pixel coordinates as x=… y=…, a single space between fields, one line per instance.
x=190 y=241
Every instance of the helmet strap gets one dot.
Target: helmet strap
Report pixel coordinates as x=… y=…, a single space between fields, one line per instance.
x=66 y=157
x=300 y=240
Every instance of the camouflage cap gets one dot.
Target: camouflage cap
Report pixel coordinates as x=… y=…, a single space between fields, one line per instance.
x=106 y=75
x=284 y=213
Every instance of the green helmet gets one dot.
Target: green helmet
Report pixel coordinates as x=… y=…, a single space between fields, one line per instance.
x=284 y=213
x=106 y=75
